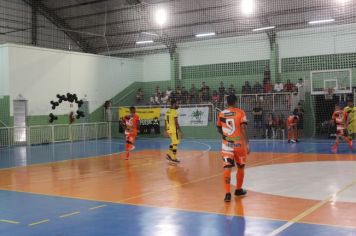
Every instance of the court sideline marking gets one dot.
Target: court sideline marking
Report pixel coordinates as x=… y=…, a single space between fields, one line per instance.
x=310 y=210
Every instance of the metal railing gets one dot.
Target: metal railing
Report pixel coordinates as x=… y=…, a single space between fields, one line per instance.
x=269 y=101
x=44 y=134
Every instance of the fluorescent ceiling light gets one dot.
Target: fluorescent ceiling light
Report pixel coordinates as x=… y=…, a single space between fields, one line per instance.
x=321 y=21
x=205 y=35
x=264 y=28
x=144 y=42
x=161 y=16
x=247 y=6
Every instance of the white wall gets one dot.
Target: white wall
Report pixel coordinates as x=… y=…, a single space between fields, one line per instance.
x=156 y=67
x=39 y=74
x=4 y=71
x=236 y=49
x=317 y=41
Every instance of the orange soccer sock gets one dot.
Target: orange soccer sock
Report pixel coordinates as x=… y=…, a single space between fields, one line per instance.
x=227 y=179
x=240 y=177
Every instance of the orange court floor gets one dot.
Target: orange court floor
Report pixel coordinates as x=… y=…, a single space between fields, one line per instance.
x=293 y=189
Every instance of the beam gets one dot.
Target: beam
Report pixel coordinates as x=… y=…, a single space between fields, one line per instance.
x=79 y=5
x=61 y=24
x=34 y=25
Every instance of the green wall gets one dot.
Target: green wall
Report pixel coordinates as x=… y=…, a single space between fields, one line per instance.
x=5 y=111
x=235 y=73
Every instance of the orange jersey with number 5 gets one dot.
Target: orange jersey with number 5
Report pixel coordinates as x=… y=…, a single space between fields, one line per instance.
x=231 y=120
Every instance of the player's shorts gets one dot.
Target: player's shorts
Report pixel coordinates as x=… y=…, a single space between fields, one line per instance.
x=292 y=126
x=130 y=137
x=340 y=131
x=174 y=138
x=233 y=153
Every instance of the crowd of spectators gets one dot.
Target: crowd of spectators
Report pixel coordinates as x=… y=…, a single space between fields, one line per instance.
x=205 y=94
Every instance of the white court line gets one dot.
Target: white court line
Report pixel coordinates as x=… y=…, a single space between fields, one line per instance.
x=310 y=210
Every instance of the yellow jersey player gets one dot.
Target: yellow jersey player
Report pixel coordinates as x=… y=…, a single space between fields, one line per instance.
x=350 y=111
x=172 y=129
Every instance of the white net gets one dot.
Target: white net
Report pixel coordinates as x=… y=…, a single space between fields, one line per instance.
x=279 y=55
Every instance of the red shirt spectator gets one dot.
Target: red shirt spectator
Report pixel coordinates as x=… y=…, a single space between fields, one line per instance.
x=288 y=87
x=267 y=87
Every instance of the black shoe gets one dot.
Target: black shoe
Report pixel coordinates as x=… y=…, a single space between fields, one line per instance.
x=227 y=197
x=297 y=141
x=240 y=192
x=288 y=140
x=169 y=158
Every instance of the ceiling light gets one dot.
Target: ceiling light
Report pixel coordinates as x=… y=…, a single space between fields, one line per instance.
x=161 y=16
x=264 y=28
x=247 y=6
x=205 y=35
x=144 y=42
x=321 y=21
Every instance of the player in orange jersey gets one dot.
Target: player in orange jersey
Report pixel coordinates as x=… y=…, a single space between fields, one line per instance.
x=339 y=118
x=292 y=125
x=232 y=125
x=131 y=125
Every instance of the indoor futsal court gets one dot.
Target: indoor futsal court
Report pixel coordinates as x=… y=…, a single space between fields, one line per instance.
x=177 y=117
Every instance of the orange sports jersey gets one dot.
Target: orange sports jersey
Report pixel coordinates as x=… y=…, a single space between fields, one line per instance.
x=230 y=120
x=292 y=120
x=340 y=118
x=131 y=124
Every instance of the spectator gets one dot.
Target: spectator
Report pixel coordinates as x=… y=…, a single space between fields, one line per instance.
x=222 y=92
x=257 y=88
x=267 y=87
x=200 y=97
x=288 y=87
x=154 y=100
x=205 y=92
x=281 y=126
x=158 y=92
x=108 y=112
x=300 y=88
x=156 y=126
x=232 y=90
x=179 y=96
x=266 y=75
x=139 y=96
x=246 y=89
x=166 y=96
x=205 y=88
x=278 y=87
x=270 y=128
x=193 y=94
x=257 y=118
x=215 y=98
x=185 y=95
x=299 y=111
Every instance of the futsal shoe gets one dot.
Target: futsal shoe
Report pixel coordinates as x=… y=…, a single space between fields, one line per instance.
x=227 y=197
x=297 y=141
x=240 y=192
x=288 y=140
